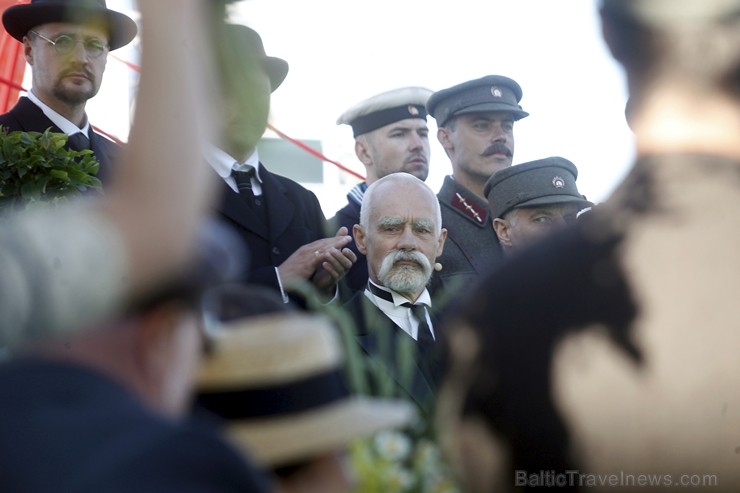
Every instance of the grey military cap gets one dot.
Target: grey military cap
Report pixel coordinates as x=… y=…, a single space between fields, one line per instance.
x=489 y=93
x=543 y=182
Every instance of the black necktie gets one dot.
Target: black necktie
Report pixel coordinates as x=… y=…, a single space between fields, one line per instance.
x=78 y=142
x=244 y=180
x=424 y=334
x=244 y=184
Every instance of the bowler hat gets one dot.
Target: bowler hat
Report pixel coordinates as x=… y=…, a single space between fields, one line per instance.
x=386 y=108
x=489 y=93
x=249 y=40
x=546 y=181
x=19 y=19
x=278 y=381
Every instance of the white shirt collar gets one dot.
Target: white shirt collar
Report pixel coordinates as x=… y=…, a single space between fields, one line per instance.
x=222 y=162
x=64 y=125
x=400 y=315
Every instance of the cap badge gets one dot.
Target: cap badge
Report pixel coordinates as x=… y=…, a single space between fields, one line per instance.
x=496 y=92
x=413 y=110
x=558 y=182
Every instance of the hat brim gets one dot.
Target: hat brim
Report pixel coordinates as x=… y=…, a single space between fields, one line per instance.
x=552 y=200
x=488 y=107
x=277 y=70
x=280 y=441
x=19 y=19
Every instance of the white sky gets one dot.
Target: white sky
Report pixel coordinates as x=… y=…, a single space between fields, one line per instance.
x=342 y=51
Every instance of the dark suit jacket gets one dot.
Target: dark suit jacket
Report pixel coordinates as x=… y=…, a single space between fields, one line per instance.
x=295 y=218
x=356 y=278
x=66 y=428
x=25 y=116
x=380 y=338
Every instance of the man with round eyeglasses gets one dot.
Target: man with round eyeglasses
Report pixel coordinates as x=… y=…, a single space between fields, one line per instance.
x=66 y=43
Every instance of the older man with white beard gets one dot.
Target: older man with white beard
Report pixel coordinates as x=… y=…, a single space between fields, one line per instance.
x=401 y=234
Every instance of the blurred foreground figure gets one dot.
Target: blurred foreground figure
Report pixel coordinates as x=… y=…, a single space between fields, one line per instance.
x=608 y=357
x=104 y=410
x=74 y=266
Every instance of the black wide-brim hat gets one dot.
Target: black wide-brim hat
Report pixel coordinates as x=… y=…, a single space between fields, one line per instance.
x=19 y=19
x=248 y=40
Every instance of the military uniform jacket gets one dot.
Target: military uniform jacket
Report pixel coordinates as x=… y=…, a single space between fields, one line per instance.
x=471 y=246
x=25 y=116
x=380 y=338
x=294 y=219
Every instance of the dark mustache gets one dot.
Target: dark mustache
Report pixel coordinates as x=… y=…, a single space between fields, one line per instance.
x=498 y=148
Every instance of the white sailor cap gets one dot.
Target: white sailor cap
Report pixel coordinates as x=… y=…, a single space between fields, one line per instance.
x=386 y=108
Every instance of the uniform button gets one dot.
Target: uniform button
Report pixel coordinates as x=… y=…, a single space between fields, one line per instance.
x=275 y=251
x=258 y=202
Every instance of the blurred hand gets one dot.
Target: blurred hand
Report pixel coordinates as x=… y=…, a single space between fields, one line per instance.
x=324 y=261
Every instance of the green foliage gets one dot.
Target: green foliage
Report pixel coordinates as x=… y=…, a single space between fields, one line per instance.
x=37 y=167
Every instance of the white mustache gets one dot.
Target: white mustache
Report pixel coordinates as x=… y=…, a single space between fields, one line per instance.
x=413 y=256
x=391 y=259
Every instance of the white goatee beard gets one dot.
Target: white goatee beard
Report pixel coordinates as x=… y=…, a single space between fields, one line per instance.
x=405 y=278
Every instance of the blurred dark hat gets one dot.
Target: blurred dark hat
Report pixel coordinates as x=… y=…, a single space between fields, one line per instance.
x=543 y=182
x=278 y=380
x=386 y=108
x=248 y=40
x=19 y=19
x=489 y=93
x=673 y=12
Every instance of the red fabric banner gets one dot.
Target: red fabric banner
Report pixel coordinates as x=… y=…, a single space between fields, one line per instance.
x=12 y=63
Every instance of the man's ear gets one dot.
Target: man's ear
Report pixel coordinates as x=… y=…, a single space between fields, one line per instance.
x=359 y=235
x=362 y=153
x=443 y=136
x=441 y=241
x=501 y=228
x=27 y=50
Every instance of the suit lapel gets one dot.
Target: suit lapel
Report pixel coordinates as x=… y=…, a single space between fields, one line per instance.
x=234 y=207
x=31 y=118
x=280 y=209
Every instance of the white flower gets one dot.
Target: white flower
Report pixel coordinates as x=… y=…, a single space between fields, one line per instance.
x=398 y=479
x=427 y=455
x=393 y=445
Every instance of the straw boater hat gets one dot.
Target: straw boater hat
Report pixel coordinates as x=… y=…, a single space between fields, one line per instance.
x=278 y=381
x=19 y=19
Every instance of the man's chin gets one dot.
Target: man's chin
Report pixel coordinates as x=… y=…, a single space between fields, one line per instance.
x=75 y=95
